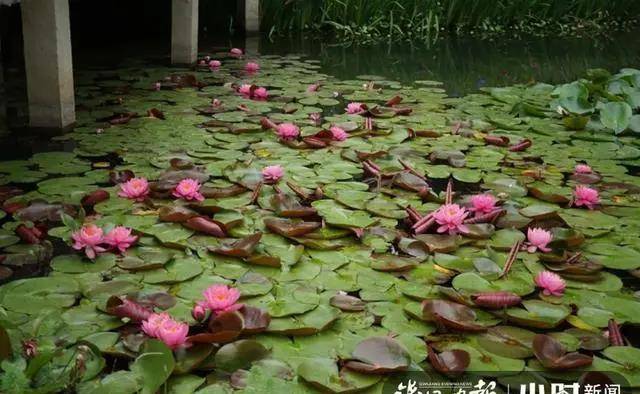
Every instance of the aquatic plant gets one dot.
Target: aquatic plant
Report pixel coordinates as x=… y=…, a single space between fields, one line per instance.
x=287 y=131
x=120 y=238
x=188 y=189
x=272 y=174
x=586 y=197
x=611 y=99
x=482 y=204
x=404 y=246
x=451 y=218
x=90 y=239
x=220 y=299
x=338 y=133
x=538 y=239
x=582 y=169
x=551 y=284
x=135 y=189
x=252 y=67
x=354 y=108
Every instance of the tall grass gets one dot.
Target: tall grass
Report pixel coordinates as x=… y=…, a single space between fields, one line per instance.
x=427 y=19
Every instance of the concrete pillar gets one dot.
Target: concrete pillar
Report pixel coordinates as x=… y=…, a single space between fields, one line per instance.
x=48 y=63
x=248 y=15
x=252 y=16
x=3 y=97
x=184 y=31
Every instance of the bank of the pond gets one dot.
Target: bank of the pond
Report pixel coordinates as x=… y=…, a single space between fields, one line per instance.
x=260 y=225
x=428 y=20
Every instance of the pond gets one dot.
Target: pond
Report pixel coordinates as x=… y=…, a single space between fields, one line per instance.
x=326 y=223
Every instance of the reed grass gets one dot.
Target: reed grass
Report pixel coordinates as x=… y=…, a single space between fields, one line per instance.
x=428 y=19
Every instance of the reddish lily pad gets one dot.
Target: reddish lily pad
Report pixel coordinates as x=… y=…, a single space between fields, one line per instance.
x=255 y=319
x=348 y=303
x=291 y=228
x=451 y=315
x=239 y=248
x=450 y=362
x=553 y=355
x=176 y=213
x=223 y=328
x=287 y=206
x=387 y=263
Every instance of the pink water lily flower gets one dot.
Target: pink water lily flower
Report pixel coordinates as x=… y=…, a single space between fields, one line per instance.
x=245 y=90
x=157 y=86
x=188 y=189
x=586 y=196
x=90 y=238
x=236 y=51
x=354 y=108
x=338 y=133
x=272 y=174
x=215 y=64
x=451 y=218
x=202 y=62
x=120 y=238
x=313 y=87
x=173 y=334
x=221 y=298
x=134 y=189
x=482 y=203
x=153 y=323
x=550 y=283
x=252 y=67
x=582 y=169
x=260 y=94
x=287 y=131
x=538 y=239
x=315 y=117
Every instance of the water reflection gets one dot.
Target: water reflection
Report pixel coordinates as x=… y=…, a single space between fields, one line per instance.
x=466 y=65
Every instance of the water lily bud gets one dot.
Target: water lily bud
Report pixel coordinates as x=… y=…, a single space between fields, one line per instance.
x=30 y=348
x=199 y=313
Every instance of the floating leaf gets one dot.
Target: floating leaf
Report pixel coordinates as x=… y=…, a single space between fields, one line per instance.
x=154 y=365
x=553 y=355
x=324 y=374
x=239 y=354
x=379 y=355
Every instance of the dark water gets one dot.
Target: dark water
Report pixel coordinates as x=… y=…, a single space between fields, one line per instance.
x=464 y=65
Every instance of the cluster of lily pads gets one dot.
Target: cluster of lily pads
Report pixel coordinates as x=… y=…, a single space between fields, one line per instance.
x=252 y=224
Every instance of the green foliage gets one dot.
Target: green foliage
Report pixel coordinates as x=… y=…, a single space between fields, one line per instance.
x=426 y=20
x=614 y=99
x=13 y=379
